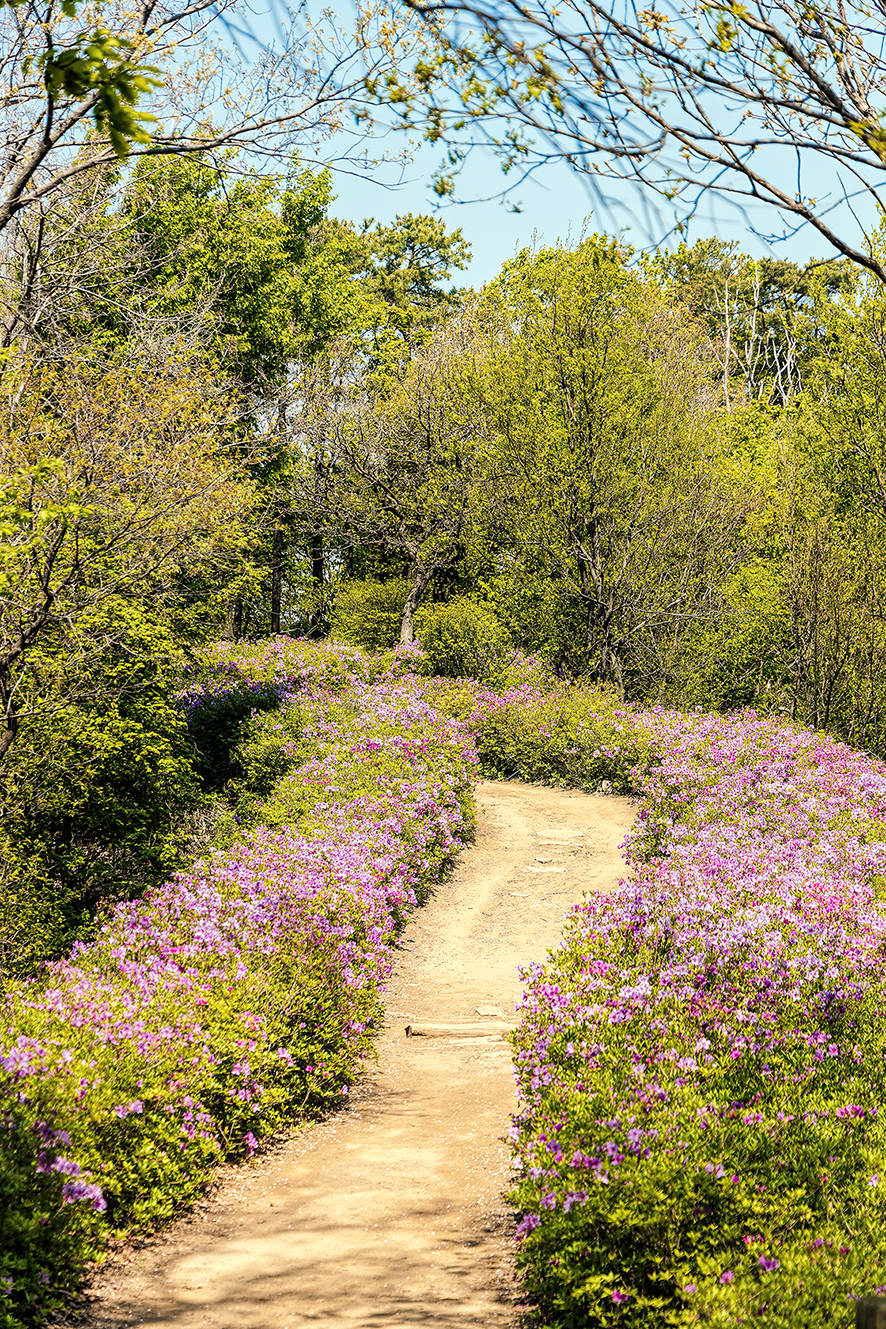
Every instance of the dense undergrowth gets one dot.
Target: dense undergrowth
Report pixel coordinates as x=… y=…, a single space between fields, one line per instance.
x=700 y=1137
x=242 y=993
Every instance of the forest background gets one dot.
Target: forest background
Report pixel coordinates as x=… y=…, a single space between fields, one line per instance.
x=226 y=412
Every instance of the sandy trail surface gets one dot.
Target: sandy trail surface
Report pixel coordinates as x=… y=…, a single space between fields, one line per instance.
x=389 y=1214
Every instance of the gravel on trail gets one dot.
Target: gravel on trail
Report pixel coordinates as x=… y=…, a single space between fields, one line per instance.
x=389 y=1215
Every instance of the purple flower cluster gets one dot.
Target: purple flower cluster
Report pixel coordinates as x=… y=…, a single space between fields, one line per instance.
x=222 y=1004
x=700 y=1066
x=275 y=668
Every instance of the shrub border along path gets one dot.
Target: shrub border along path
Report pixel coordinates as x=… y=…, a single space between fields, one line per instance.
x=240 y=995
x=701 y=1064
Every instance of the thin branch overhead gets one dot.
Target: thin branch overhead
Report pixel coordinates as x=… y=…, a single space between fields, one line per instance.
x=768 y=104
x=83 y=86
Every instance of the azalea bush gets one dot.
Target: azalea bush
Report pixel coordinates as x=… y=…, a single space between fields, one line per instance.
x=243 y=992
x=700 y=1137
x=228 y=683
x=544 y=732
x=700 y=1065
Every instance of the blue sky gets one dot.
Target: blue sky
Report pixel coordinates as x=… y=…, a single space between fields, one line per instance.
x=555 y=203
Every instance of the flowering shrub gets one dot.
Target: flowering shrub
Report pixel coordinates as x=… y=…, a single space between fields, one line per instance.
x=242 y=992
x=700 y=1137
x=231 y=682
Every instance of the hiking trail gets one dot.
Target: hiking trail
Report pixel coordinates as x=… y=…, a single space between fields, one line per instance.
x=388 y=1215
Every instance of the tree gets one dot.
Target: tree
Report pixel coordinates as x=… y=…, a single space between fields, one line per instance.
x=224 y=256
x=834 y=522
x=410 y=469
x=77 y=76
x=402 y=272
x=404 y=268
x=397 y=294
x=761 y=315
x=96 y=792
x=242 y=249
x=762 y=103
x=244 y=260
x=597 y=396
x=120 y=481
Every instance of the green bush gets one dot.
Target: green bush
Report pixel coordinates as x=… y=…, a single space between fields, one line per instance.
x=217 y=727
x=368 y=613
x=575 y=735
x=463 y=639
x=39 y=1232
x=94 y=791
x=541 y=613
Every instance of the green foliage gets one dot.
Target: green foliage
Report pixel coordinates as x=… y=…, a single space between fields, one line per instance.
x=406 y=265
x=99 y=67
x=244 y=717
x=39 y=1234
x=269 y=746
x=671 y=1229
x=808 y=1288
x=236 y=249
x=741 y=657
x=541 y=611
x=597 y=400
x=93 y=792
x=217 y=728
x=763 y=316
x=401 y=271
x=463 y=639
x=567 y=734
x=368 y=613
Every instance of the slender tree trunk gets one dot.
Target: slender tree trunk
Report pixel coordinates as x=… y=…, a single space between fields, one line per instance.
x=10 y=717
x=276 y=577
x=601 y=602
x=318 y=576
x=234 y=626
x=318 y=561
x=277 y=542
x=421 y=580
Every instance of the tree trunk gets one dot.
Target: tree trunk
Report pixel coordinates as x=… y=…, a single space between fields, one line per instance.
x=276 y=577
x=10 y=717
x=421 y=580
x=318 y=561
x=318 y=570
x=234 y=626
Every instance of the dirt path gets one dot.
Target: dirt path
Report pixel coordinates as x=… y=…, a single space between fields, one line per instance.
x=389 y=1215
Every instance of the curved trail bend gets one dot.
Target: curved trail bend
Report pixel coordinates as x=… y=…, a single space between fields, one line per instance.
x=389 y=1215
